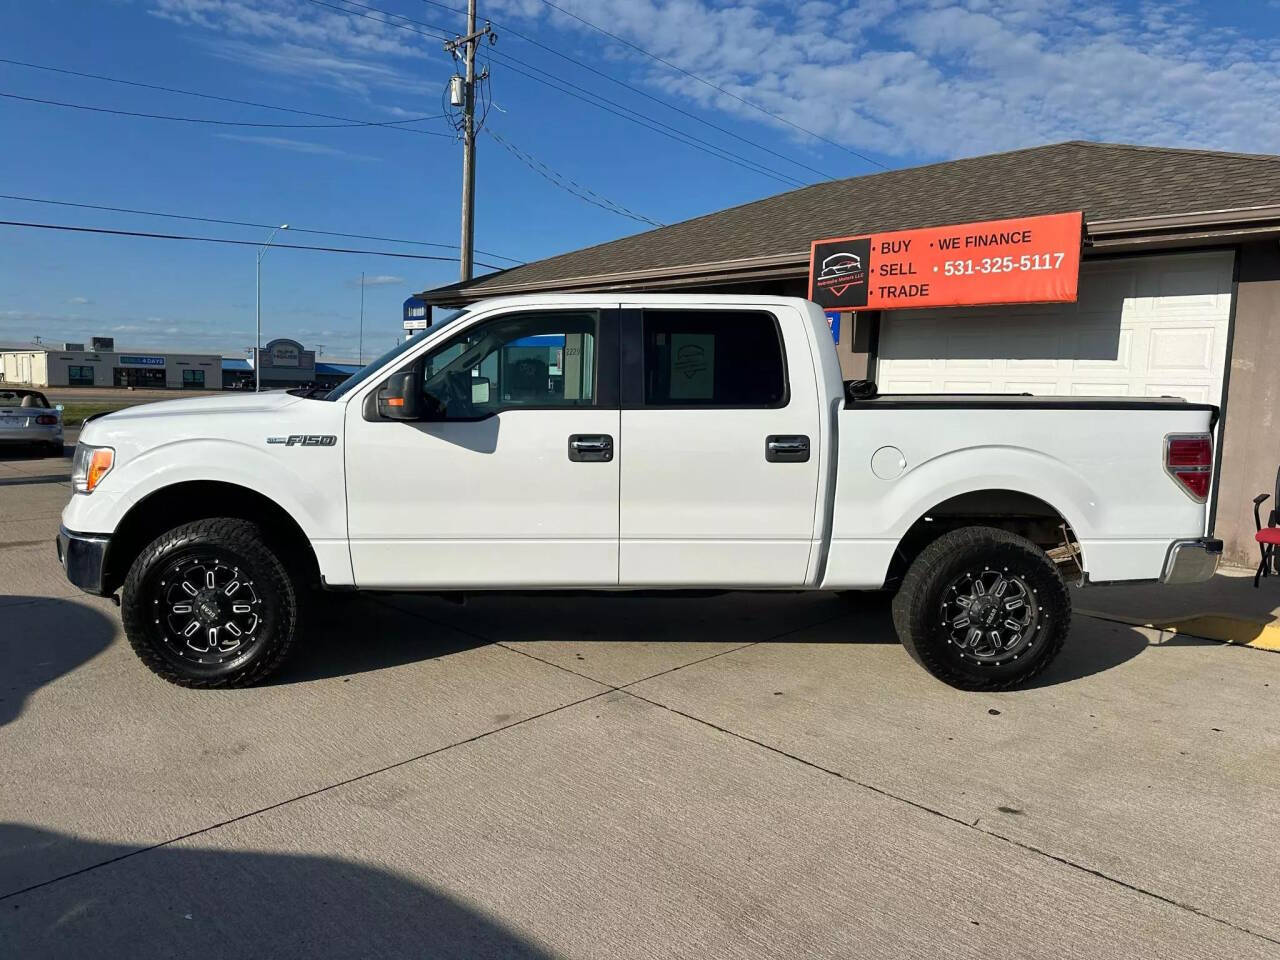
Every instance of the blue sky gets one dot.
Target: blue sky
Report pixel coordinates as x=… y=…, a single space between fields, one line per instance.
x=897 y=83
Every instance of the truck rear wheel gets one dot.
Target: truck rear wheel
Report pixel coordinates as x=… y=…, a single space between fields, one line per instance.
x=982 y=609
x=210 y=604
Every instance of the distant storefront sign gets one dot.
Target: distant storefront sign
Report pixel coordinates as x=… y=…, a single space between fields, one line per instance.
x=128 y=361
x=287 y=353
x=1025 y=260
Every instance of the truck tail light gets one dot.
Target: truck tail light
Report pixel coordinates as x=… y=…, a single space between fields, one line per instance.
x=1188 y=458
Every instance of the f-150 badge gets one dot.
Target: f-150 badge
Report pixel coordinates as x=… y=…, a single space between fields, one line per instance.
x=305 y=440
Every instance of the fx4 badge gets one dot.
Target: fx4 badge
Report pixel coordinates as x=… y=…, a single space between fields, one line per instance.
x=305 y=440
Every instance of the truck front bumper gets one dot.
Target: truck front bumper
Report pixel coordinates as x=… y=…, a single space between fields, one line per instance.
x=82 y=556
x=1192 y=561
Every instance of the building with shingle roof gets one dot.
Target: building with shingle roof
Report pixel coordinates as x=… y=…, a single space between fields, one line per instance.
x=1179 y=286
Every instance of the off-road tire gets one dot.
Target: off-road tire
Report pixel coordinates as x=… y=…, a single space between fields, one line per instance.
x=230 y=541
x=918 y=607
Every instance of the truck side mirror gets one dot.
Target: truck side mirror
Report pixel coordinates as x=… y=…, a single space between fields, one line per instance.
x=400 y=398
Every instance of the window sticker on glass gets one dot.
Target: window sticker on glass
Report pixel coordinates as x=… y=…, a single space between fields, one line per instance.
x=693 y=371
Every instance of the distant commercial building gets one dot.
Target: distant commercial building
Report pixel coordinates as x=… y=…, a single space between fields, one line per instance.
x=43 y=367
x=1178 y=289
x=285 y=364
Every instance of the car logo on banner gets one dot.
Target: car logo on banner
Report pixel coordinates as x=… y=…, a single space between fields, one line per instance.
x=842 y=272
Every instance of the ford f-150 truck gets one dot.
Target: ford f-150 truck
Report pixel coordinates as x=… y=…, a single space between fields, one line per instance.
x=589 y=442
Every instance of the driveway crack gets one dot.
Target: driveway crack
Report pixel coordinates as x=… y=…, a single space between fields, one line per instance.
x=1019 y=844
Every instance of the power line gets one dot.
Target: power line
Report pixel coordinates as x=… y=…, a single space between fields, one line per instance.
x=389 y=124
x=443 y=35
x=640 y=91
x=239 y=243
x=221 y=123
x=713 y=86
x=244 y=223
x=591 y=97
x=650 y=123
x=569 y=185
x=587 y=96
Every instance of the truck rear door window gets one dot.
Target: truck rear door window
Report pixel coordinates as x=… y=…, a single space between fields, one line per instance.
x=713 y=358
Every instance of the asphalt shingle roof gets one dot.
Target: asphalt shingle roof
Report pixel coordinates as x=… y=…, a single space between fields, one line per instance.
x=1106 y=181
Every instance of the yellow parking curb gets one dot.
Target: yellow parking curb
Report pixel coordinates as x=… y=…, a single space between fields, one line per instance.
x=1226 y=627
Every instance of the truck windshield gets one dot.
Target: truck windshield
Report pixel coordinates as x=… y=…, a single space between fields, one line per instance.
x=365 y=372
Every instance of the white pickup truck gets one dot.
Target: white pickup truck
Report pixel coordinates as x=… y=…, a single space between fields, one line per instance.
x=591 y=442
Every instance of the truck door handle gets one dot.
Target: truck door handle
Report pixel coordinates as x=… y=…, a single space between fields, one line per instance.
x=590 y=447
x=786 y=448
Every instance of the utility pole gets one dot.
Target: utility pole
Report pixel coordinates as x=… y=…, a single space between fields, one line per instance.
x=257 y=353
x=466 y=99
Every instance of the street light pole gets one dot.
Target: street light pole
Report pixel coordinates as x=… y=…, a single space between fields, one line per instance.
x=257 y=352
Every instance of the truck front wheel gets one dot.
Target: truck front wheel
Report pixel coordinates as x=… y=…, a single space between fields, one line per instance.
x=982 y=609
x=210 y=604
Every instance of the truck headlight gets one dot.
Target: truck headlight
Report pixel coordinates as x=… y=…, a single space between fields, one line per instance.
x=89 y=466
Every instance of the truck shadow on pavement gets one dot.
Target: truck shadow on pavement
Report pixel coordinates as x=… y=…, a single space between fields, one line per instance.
x=357 y=633
x=184 y=901
x=41 y=639
x=347 y=634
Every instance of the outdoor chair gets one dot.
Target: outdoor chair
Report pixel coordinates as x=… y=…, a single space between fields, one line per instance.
x=1268 y=537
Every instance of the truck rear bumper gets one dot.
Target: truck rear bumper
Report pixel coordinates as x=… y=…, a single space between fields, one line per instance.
x=82 y=556
x=1192 y=561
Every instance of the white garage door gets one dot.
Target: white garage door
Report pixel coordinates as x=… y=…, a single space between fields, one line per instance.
x=1149 y=326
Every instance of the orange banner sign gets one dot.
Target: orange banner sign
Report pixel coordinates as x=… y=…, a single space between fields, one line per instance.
x=1026 y=260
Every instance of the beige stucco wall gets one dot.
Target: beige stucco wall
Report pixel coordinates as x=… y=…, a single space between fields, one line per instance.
x=1251 y=431
x=24 y=366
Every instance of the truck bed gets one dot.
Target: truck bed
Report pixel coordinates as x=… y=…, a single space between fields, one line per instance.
x=1097 y=462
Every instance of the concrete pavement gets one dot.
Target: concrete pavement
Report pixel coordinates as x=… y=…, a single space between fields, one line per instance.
x=617 y=776
x=1227 y=608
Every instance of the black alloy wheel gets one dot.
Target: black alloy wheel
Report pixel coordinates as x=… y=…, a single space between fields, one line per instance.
x=211 y=604
x=983 y=609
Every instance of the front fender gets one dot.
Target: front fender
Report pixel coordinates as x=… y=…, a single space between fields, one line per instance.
x=307 y=485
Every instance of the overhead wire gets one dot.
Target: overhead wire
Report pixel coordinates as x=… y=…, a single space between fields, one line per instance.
x=220 y=123
x=508 y=29
x=244 y=223
x=560 y=180
x=712 y=85
x=569 y=185
x=388 y=124
x=579 y=92
x=239 y=243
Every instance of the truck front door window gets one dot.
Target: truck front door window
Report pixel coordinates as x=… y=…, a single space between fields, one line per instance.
x=529 y=360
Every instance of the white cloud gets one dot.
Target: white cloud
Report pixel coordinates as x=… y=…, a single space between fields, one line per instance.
x=306 y=41
x=297 y=146
x=901 y=80
x=941 y=78
x=379 y=280
x=79 y=300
